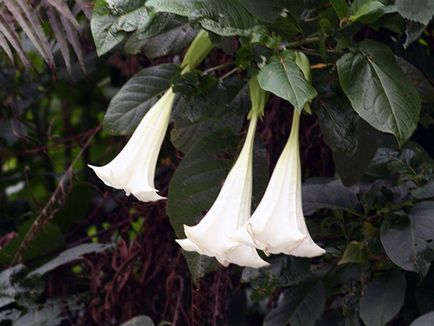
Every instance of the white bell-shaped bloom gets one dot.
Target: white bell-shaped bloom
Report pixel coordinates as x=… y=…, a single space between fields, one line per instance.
x=230 y=211
x=278 y=225
x=133 y=169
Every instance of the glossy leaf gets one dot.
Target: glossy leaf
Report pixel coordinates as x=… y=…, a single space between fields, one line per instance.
x=70 y=255
x=223 y=17
x=136 y=97
x=379 y=91
x=420 y=11
x=409 y=245
x=112 y=21
x=176 y=35
x=301 y=306
x=319 y=194
x=355 y=253
x=282 y=77
x=383 y=299
x=353 y=141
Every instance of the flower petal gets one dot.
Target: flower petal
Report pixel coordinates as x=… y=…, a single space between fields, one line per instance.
x=133 y=169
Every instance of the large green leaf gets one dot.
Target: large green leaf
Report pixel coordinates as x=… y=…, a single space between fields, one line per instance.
x=355 y=253
x=282 y=77
x=70 y=255
x=341 y=8
x=352 y=141
x=409 y=244
x=416 y=10
x=378 y=90
x=223 y=106
x=49 y=239
x=176 y=36
x=369 y=11
x=301 y=306
x=223 y=17
x=113 y=20
x=267 y=11
x=383 y=299
x=320 y=193
x=136 y=97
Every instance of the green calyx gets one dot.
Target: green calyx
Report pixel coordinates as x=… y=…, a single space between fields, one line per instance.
x=198 y=50
x=303 y=63
x=258 y=97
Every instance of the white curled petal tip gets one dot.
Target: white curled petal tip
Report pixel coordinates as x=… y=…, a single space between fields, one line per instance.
x=278 y=224
x=187 y=245
x=245 y=255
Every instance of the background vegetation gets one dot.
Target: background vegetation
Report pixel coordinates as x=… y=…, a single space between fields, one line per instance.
x=74 y=252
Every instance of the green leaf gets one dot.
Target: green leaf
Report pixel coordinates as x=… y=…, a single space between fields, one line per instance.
x=70 y=255
x=379 y=91
x=224 y=106
x=352 y=141
x=136 y=97
x=319 y=194
x=424 y=192
x=410 y=245
x=176 y=36
x=112 y=21
x=223 y=17
x=364 y=8
x=383 y=299
x=282 y=77
x=424 y=320
x=267 y=11
x=423 y=293
x=50 y=238
x=416 y=10
x=355 y=253
x=9 y=287
x=341 y=8
x=301 y=306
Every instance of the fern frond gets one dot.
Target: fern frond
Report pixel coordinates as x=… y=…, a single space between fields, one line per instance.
x=20 y=19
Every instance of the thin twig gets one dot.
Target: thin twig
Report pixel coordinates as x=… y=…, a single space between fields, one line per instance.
x=48 y=212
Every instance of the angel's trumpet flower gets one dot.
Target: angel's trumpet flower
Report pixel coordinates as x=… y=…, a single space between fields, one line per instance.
x=133 y=169
x=278 y=225
x=231 y=210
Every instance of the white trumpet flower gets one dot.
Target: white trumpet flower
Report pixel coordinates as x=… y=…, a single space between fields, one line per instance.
x=230 y=211
x=133 y=169
x=278 y=224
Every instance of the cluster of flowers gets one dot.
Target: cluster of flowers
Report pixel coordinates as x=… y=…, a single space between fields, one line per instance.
x=228 y=231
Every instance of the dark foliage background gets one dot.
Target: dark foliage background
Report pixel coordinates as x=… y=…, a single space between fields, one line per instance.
x=74 y=252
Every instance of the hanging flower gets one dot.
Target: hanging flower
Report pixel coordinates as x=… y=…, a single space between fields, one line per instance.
x=231 y=210
x=278 y=225
x=133 y=169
